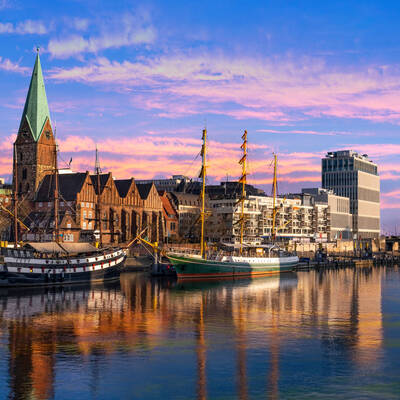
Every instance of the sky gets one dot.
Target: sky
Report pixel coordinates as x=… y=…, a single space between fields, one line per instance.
x=141 y=79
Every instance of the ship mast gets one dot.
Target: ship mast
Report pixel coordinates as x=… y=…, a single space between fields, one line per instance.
x=15 y=198
x=56 y=191
x=243 y=162
x=97 y=171
x=274 y=208
x=203 y=189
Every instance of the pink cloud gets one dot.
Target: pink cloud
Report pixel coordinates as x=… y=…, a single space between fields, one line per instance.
x=10 y=66
x=265 y=89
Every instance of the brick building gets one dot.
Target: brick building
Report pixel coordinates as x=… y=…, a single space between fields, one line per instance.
x=90 y=205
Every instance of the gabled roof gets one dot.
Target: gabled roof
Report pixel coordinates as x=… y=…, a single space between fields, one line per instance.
x=168 y=208
x=123 y=186
x=36 y=110
x=144 y=189
x=103 y=181
x=69 y=186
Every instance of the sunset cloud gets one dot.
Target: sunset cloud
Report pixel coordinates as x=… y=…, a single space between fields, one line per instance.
x=265 y=89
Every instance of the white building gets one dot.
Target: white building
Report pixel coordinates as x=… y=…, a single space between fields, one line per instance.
x=319 y=216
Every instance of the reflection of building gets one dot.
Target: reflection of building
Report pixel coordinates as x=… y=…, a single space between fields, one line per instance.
x=47 y=329
x=352 y=175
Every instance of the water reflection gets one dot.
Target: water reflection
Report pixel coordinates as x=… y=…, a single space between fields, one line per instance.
x=263 y=324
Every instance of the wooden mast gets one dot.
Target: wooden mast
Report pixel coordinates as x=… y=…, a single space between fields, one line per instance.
x=243 y=162
x=274 y=208
x=15 y=198
x=56 y=190
x=203 y=189
x=97 y=171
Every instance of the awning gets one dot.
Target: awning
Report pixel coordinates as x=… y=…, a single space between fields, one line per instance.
x=78 y=247
x=62 y=248
x=46 y=247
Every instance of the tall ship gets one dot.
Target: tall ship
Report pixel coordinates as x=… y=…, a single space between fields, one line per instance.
x=232 y=260
x=52 y=262
x=56 y=262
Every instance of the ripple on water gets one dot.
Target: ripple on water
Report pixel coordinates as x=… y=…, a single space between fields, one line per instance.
x=331 y=334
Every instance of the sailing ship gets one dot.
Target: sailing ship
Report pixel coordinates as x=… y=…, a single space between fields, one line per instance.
x=57 y=263
x=251 y=260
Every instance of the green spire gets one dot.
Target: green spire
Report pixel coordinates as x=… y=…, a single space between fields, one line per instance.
x=36 y=110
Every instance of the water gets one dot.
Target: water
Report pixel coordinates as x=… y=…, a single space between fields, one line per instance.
x=334 y=334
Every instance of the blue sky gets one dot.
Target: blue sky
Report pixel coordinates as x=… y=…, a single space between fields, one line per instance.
x=141 y=79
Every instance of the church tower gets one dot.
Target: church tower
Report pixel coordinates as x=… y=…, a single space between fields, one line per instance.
x=35 y=146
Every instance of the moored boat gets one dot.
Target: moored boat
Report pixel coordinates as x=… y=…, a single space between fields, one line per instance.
x=193 y=266
x=51 y=263
x=246 y=260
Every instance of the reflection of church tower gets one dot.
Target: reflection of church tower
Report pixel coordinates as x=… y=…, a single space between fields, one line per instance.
x=31 y=361
x=35 y=143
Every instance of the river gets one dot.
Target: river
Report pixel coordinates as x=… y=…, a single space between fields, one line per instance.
x=331 y=334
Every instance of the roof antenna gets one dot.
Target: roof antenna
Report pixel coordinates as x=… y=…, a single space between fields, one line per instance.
x=97 y=168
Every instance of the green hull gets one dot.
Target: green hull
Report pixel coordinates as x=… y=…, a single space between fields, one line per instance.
x=194 y=267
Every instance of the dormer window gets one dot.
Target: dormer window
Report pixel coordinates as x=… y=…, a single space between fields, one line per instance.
x=48 y=135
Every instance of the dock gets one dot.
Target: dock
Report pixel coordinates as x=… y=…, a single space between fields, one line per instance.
x=383 y=259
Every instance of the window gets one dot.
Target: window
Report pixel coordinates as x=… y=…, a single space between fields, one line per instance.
x=24 y=173
x=21 y=157
x=90 y=214
x=40 y=204
x=84 y=225
x=69 y=225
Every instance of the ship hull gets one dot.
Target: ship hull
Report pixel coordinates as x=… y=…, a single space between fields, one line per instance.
x=21 y=272
x=196 y=268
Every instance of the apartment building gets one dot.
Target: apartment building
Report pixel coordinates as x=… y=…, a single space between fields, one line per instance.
x=339 y=212
x=355 y=176
x=294 y=219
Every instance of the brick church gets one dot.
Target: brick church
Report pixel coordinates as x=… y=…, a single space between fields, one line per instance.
x=91 y=207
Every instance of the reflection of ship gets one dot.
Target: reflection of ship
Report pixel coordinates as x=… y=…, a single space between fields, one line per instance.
x=205 y=325
x=31 y=302
x=251 y=260
x=244 y=284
